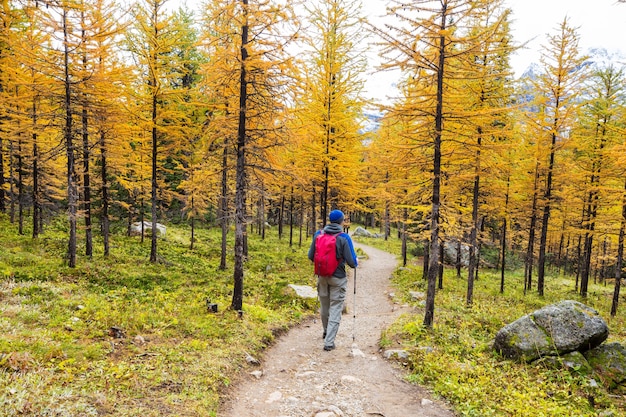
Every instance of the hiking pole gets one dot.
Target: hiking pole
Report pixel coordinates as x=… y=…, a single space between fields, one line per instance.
x=354 y=309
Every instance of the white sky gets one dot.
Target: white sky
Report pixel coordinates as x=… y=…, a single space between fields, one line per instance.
x=600 y=23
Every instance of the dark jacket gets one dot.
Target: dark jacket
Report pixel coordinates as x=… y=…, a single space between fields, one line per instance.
x=345 y=249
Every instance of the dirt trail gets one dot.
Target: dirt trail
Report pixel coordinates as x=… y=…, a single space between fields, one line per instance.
x=300 y=379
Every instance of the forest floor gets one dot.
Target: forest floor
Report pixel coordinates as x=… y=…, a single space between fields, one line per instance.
x=297 y=378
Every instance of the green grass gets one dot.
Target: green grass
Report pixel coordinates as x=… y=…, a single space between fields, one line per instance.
x=455 y=358
x=58 y=355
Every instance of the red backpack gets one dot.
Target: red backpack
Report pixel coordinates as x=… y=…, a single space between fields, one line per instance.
x=325 y=258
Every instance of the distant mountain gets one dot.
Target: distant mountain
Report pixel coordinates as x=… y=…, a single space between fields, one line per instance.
x=596 y=57
x=372 y=119
x=532 y=71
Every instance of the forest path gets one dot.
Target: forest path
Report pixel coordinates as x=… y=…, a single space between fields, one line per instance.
x=300 y=379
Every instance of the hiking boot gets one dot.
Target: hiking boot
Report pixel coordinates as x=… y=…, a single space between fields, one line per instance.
x=329 y=348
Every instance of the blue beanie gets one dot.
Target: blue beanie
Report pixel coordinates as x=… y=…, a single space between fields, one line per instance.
x=335 y=216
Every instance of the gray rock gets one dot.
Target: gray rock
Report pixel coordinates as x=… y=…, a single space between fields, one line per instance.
x=417 y=295
x=304 y=291
x=522 y=340
x=609 y=362
x=135 y=228
x=398 y=353
x=359 y=231
x=575 y=362
x=551 y=331
x=572 y=326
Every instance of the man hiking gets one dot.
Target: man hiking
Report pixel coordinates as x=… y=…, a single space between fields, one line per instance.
x=330 y=268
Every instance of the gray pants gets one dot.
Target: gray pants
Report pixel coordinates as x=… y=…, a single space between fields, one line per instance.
x=332 y=293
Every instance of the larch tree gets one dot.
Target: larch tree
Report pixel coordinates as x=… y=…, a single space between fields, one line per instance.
x=61 y=20
x=595 y=137
x=29 y=49
x=557 y=88
x=429 y=38
x=104 y=94
x=251 y=39
x=7 y=14
x=152 y=43
x=98 y=73
x=331 y=109
x=219 y=85
x=486 y=87
x=619 y=261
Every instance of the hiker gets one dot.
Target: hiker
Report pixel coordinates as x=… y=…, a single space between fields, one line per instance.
x=331 y=289
x=346 y=225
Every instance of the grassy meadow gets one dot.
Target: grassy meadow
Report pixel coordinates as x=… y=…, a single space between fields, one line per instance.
x=456 y=361
x=121 y=336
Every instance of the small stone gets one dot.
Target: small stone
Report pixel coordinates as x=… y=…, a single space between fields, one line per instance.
x=251 y=360
x=426 y=402
x=274 y=396
x=356 y=353
x=351 y=379
x=398 y=353
x=257 y=374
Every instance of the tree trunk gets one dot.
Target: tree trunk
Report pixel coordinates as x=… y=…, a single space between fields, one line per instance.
x=503 y=241
x=530 y=253
x=240 y=193
x=405 y=218
x=154 y=58
x=429 y=314
x=457 y=261
x=11 y=184
x=224 y=206
x=301 y=220
x=620 y=257
x=36 y=195
x=441 y=267
x=291 y=217
x=588 y=225
x=547 y=197
x=281 y=216
x=20 y=187
x=578 y=258
x=105 y=193
x=3 y=207
x=426 y=261
x=193 y=229
x=72 y=189
x=473 y=247
x=313 y=212
x=87 y=186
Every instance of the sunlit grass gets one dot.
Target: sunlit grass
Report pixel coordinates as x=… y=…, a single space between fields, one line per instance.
x=59 y=354
x=456 y=360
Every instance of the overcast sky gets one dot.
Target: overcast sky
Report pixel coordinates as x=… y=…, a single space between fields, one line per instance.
x=600 y=23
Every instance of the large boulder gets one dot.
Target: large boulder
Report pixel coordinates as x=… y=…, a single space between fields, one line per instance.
x=135 y=228
x=451 y=252
x=360 y=231
x=609 y=362
x=552 y=330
